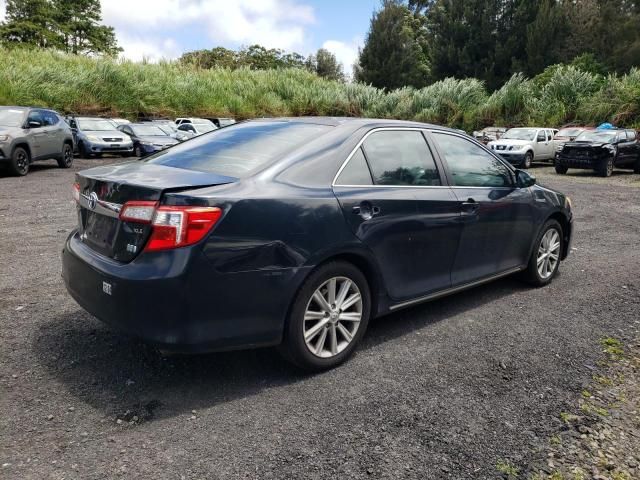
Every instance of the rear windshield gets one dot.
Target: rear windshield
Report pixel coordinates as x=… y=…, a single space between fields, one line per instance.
x=240 y=149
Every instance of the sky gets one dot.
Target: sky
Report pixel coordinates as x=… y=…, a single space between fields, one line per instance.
x=156 y=29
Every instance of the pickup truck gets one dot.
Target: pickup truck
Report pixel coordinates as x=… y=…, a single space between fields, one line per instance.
x=521 y=146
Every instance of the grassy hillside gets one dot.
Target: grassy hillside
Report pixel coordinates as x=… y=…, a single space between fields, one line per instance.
x=102 y=86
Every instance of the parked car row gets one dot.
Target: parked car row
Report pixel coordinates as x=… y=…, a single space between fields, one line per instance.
x=598 y=149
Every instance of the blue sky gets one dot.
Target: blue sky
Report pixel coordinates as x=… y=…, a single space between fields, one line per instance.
x=156 y=29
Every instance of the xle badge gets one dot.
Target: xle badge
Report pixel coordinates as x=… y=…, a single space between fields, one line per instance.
x=106 y=288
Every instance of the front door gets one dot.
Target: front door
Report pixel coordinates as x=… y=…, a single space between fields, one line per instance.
x=393 y=197
x=37 y=134
x=497 y=216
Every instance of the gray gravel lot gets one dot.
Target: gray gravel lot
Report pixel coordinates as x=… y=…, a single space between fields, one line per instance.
x=443 y=390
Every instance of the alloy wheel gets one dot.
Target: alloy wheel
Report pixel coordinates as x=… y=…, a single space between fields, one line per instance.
x=548 y=253
x=22 y=162
x=67 y=155
x=332 y=317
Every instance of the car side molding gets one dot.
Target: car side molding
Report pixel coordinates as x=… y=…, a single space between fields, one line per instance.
x=450 y=291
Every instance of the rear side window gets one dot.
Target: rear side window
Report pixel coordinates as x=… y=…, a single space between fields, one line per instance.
x=50 y=118
x=470 y=165
x=356 y=171
x=399 y=157
x=240 y=149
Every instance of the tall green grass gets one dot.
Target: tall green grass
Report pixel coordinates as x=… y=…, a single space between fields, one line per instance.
x=74 y=84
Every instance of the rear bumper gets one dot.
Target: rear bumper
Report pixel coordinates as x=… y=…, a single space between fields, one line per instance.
x=177 y=300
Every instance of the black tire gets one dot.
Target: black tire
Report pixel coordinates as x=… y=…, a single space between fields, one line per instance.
x=528 y=160
x=66 y=157
x=636 y=166
x=531 y=275
x=137 y=151
x=605 y=169
x=294 y=347
x=561 y=169
x=20 y=160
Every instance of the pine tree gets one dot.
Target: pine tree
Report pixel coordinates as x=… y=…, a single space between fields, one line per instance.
x=394 y=54
x=29 y=23
x=80 y=29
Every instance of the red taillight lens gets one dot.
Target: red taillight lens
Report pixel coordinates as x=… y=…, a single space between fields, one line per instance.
x=174 y=227
x=76 y=192
x=171 y=227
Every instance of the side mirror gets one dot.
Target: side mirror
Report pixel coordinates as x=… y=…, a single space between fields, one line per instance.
x=34 y=124
x=524 y=179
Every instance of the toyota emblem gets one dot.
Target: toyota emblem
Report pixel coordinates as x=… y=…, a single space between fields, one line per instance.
x=92 y=201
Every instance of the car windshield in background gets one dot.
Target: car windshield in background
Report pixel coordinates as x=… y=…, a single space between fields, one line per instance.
x=604 y=137
x=239 y=149
x=95 y=125
x=167 y=129
x=520 y=134
x=569 y=132
x=148 y=131
x=204 y=127
x=11 y=117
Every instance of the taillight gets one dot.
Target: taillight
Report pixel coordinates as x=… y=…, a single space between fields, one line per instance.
x=171 y=226
x=138 y=211
x=76 y=192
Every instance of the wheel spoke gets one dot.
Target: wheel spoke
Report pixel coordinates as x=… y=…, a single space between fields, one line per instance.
x=350 y=301
x=333 y=339
x=342 y=294
x=320 y=344
x=350 y=317
x=331 y=291
x=321 y=301
x=345 y=333
x=313 y=331
x=310 y=315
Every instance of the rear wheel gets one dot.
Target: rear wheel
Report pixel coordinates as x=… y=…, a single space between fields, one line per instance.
x=605 y=169
x=561 y=169
x=20 y=160
x=328 y=317
x=545 y=258
x=66 y=157
x=528 y=159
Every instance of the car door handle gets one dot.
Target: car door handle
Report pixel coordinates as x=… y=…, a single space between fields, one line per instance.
x=470 y=206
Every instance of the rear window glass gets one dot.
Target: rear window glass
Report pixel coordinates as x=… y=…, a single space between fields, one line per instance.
x=240 y=149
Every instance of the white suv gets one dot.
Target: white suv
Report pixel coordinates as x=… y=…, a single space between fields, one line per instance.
x=521 y=146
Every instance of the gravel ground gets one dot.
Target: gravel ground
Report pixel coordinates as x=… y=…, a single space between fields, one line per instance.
x=452 y=389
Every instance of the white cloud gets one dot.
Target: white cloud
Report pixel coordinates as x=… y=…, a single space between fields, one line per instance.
x=3 y=9
x=143 y=27
x=345 y=52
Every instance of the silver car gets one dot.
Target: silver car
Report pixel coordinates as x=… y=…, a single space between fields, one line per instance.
x=30 y=134
x=95 y=136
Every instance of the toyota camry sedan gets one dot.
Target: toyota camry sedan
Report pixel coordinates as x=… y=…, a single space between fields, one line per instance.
x=297 y=232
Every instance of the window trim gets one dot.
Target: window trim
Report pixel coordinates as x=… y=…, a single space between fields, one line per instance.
x=421 y=130
x=445 y=165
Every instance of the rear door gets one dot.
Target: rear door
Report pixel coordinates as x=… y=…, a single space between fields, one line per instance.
x=393 y=197
x=55 y=133
x=497 y=216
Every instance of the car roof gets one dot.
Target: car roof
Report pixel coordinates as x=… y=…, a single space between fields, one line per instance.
x=356 y=122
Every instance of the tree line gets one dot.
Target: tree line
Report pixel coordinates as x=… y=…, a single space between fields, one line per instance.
x=418 y=42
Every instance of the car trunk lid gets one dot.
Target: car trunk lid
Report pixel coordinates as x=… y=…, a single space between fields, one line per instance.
x=104 y=190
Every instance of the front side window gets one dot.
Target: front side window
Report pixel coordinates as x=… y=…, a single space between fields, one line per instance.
x=35 y=116
x=470 y=165
x=356 y=171
x=399 y=157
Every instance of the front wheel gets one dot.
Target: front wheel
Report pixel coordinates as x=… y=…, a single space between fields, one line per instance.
x=605 y=169
x=66 y=157
x=19 y=164
x=545 y=258
x=528 y=159
x=137 y=151
x=328 y=317
x=561 y=169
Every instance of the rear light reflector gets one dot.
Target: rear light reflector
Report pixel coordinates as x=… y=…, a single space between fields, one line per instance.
x=138 y=211
x=76 y=192
x=175 y=227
